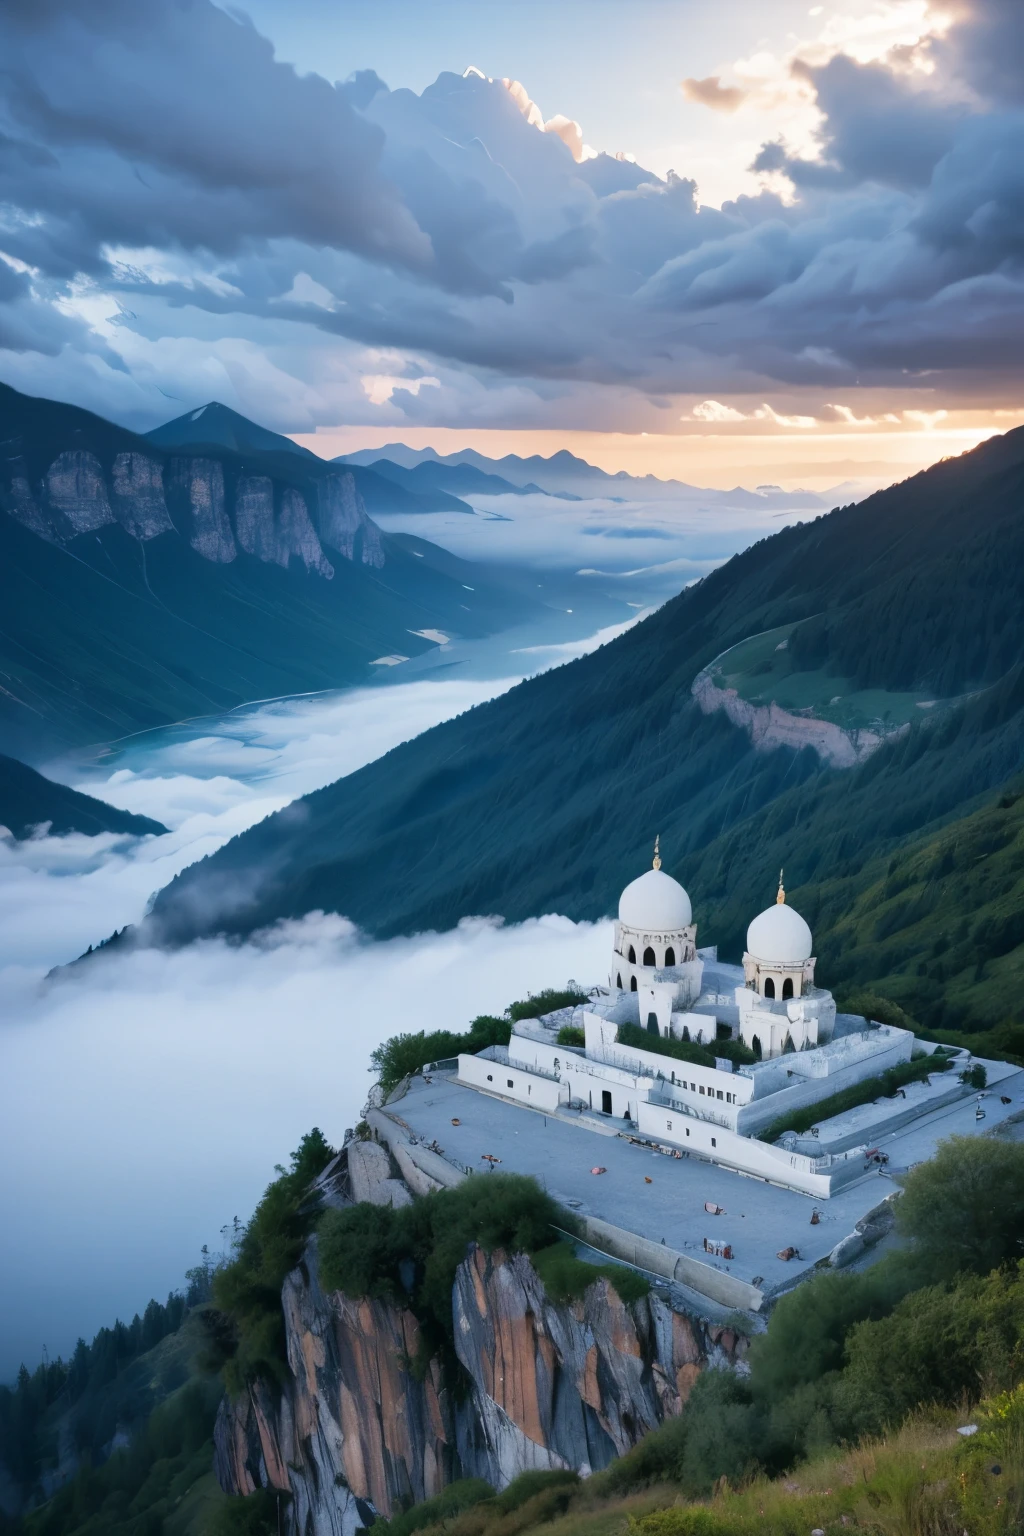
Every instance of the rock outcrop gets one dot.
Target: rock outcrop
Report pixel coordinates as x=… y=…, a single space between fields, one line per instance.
x=343 y=523
x=769 y=727
x=363 y=1426
x=273 y=523
x=138 y=495
x=277 y=537
x=76 y=491
x=210 y=532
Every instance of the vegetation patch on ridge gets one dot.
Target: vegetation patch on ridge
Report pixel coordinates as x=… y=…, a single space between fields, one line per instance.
x=403 y=1055
x=885 y=1086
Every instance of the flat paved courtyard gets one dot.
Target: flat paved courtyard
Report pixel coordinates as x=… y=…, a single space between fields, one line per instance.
x=759 y=1220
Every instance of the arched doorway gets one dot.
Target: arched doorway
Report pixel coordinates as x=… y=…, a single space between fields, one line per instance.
x=789 y=1048
x=632 y=955
x=787 y=987
x=652 y=1024
x=632 y=983
x=755 y=1046
x=618 y=981
x=769 y=987
x=649 y=956
x=670 y=956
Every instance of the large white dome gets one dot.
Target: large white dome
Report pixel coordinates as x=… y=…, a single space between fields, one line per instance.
x=779 y=936
x=655 y=903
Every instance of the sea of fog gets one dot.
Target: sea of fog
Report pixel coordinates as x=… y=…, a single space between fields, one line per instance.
x=145 y=1098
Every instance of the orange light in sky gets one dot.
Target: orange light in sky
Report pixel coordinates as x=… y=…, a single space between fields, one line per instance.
x=724 y=458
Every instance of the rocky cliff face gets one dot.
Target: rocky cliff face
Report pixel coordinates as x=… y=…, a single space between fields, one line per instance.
x=769 y=727
x=277 y=524
x=360 y=1429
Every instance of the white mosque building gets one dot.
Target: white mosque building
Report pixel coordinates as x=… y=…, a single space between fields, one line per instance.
x=772 y=1042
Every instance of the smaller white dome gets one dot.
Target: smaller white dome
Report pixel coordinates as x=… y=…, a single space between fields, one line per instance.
x=655 y=903
x=779 y=936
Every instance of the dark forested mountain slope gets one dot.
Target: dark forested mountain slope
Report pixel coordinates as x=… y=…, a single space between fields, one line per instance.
x=549 y=798
x=29 y=800
x=140 y=585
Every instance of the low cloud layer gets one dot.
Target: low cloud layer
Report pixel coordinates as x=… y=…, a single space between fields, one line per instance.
x=288 y=243
x=143 y=1105
x=145 y=1097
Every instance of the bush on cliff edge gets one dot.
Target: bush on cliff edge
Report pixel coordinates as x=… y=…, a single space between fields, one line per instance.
x=247 y=1327
x=411 y=1255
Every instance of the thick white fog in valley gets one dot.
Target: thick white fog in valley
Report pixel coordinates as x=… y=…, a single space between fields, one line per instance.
x=145 y=1098
x=144 y=1103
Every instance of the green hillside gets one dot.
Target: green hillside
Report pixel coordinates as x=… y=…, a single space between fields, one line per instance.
x=27 y=799
x=548 y=798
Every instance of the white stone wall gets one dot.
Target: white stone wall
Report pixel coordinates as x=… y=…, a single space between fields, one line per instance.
x=894 y=1046
x=511 y=1082
x=583 y=1081
x=820 y=1177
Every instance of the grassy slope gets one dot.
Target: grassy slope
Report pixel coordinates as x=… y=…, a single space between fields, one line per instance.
x=27 y=799
x=920 y=1481
x=549 y=797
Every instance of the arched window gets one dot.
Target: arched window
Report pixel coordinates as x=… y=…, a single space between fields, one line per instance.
x=632 y=983
x=618 y=980
x=769 y=987
x=632 y=955
x=670 y=956
x=787 y=987
x=649 y=956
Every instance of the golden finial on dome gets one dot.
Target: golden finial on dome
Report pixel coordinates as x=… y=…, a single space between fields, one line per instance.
x=780 y=899
x=657 y=854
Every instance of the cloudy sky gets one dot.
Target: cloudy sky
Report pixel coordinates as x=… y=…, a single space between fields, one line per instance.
x=729 y=241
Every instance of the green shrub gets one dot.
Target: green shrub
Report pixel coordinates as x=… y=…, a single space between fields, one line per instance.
x=938 y=1346
x=571 y=1034
x=403 y=1055
x=259 y=1514
x=458 y=1496
x=885 y=1086
x=807 y=1335
x=566 y=1277
x=975 y=1075
x=964 y=1210
x=247 y=1290
x=529 y=1484
x=676 y=1050
x=362 y=1249
x=658 y=1458
x=548 y=1001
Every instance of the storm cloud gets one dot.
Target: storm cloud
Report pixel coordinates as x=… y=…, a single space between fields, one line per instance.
x=171 y=195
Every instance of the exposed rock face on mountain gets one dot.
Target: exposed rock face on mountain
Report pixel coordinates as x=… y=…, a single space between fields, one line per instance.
x=343 y=522
x=76 y=496
x=550 y=1385
x=769 y=726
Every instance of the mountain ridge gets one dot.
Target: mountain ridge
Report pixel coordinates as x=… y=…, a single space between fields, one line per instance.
x=593 y=758
x=29 y=800
x=141 y=586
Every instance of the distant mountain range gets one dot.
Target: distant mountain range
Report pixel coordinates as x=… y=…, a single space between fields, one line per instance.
x=145 y=580
x=563 y=474
x=910 y=867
